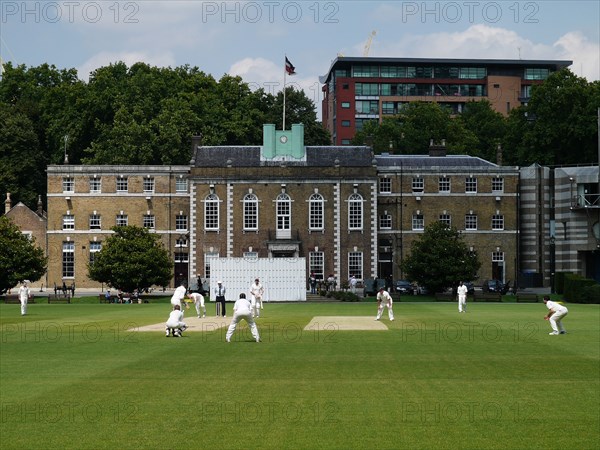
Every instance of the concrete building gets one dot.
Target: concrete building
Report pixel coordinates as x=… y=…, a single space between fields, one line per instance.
x=361 y=89
x=559 y=222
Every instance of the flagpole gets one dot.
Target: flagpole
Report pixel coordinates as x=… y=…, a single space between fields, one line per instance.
x=284 y=79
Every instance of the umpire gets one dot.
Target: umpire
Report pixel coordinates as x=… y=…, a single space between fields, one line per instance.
x=220 y=297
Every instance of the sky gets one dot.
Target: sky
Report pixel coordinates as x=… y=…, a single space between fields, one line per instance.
x=252 y=38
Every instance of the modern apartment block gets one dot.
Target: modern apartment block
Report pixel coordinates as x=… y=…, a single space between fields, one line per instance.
x=361 y=89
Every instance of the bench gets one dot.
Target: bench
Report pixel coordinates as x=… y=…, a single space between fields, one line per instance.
x=488 y=297
x=527 y=298
x=14 y=299
x=111 y=299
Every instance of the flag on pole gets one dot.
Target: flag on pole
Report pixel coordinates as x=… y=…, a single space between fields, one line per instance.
x=289 y=67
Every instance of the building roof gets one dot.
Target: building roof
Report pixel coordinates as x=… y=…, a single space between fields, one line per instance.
x=250 y=156
x=427 y=162
x=349 y=61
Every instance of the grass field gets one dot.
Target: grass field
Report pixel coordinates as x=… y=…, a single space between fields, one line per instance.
x=76 y=377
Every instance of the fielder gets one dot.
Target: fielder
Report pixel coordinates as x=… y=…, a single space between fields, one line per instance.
x=257 y=290
x=384 y=299
x=242 y=310
x=24 y=294
x=462 y=297
x=198 y=300
x=178 y=296
x=175 y=323
x=556 y=312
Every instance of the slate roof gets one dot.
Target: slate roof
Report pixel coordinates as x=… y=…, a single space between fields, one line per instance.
x=250 y=156
x=432 y=162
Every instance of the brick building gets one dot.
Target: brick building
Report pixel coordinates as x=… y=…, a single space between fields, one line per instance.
x=85 y=202
x=477 y=197
x=31 y=223
x=361 y=89
x=344 y=210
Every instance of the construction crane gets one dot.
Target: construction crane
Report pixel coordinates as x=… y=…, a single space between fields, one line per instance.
x=368 y=43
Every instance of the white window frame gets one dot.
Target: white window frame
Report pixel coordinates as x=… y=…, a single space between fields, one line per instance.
x=250 y=204
x=68 y=259
x=497 y=184
x=316 y=264
x=444 y=185
x=121 y=220
x=68 y=184
x=355 y=265
x=471 y=185
x=95 y=185
x=211 y=212
x=446 y=218
x=316 y=212
x=498 y=222
x=418 y=222
x=149 y=185
x=149 y=221
x=122 y=185
x=355 y=212
x=181 y=185
x=68 y=222
x=95 y=247
x=418 y=184
x=181 y=222
x=385 y=221
x=470 y=222
x=95 y=222
x=385 y=185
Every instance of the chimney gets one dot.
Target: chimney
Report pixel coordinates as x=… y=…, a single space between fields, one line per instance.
x=196 y=142
x=437 y=149
x=7 y=204
x=40 y=207
x=499 y=155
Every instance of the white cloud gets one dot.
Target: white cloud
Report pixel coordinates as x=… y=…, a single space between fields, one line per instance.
x=487 y=42
x=263 y=73
x=106 y=58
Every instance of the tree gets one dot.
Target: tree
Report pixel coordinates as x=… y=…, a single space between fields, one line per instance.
x=559 y=125
x=439 y=259
x=20 y=258
x=130 y=259
x=487 y=125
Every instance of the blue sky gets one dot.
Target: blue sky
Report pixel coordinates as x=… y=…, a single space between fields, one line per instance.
x=250 y=39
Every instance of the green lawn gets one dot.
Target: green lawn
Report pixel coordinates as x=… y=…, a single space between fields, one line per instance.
x=74 y=376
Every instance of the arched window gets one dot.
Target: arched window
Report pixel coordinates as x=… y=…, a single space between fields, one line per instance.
x=284 y=216
x=355 y=212
x=211 y=212
x=316 y=212
x=250 y=212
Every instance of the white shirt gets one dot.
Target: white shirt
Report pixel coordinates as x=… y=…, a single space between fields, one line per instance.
x=556 y=307
x=23 y=293
x=257 y=289
x=175 y=318
x=242 y=307
x=352 y=282
x=179 y=294
x=196 y=297
x=385 y=297
x=462 y=290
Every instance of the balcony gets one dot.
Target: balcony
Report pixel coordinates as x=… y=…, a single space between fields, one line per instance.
x=585 y=201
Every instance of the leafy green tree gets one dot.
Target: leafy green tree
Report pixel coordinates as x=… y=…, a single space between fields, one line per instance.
x=411 y=131
x=439 y=259
x=487 y=125
x=559 y=125
x=20 y=159
x=20 y=258
x=130 y=259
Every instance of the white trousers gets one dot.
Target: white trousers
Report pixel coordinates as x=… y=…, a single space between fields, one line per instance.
x=198 y=304
x=236 y=319
x=462 y=303
x=23 y=306
x=257 y=305
x=380 y=311
x=556 y=321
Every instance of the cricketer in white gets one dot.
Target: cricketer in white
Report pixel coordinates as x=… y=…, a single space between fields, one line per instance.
x=24 y=294
x=257 y=290
x=242 y=310
x=462 y=297
x=175 y=323
x=198 y=300
x=556 y=312
x=384 y=299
